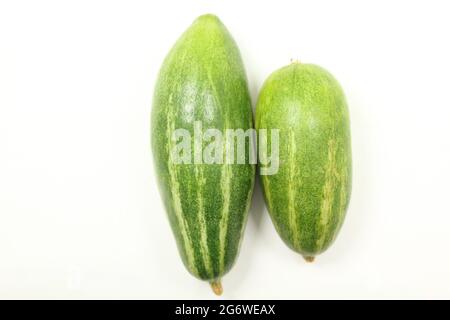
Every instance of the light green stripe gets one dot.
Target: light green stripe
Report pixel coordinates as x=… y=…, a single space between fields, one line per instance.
x=343 y=192
x=201 y=221
x=266 y=189
x=328 y=194
x=225 y=182
x=292 y=187
x=174 y=190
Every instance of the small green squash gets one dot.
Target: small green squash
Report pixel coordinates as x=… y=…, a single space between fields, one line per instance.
x=308 y=197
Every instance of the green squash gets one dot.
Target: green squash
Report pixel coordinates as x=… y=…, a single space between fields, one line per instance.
x=202 y=80
x=308 y=197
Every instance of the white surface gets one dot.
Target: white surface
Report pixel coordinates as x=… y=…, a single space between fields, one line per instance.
x=80 y=214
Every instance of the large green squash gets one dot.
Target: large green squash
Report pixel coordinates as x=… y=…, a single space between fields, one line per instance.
x=307 y=199
x=203 y=80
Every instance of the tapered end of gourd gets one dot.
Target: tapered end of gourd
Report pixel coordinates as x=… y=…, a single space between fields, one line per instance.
x=208 y=19
x=309 y=259
x=216 y=287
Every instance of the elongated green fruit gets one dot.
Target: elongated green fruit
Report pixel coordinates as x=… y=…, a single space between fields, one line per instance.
x=308 y=197
x=202 y=83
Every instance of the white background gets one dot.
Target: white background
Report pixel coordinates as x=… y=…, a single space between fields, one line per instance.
x=80 y=213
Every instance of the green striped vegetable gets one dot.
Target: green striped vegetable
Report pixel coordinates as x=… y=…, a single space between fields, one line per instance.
x=203 y=79
x=307 y=199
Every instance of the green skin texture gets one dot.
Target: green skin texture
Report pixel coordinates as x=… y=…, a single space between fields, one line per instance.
x=203 y=79
x=308 y=198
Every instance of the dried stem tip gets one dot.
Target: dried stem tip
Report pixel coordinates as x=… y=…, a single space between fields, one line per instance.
x=309 y=258
x=216 y=286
